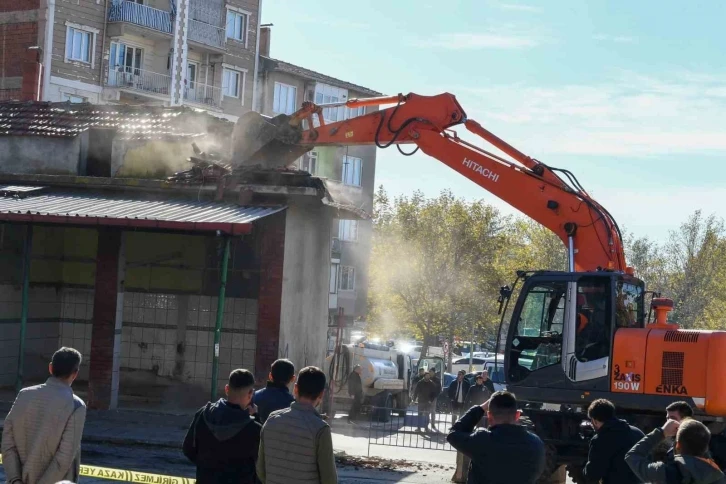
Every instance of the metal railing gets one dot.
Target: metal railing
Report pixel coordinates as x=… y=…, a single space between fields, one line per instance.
x=10 y=94
x=139 y=80
x=142 y=15
x=203 y=94
x=207 y=34
x=406 y=427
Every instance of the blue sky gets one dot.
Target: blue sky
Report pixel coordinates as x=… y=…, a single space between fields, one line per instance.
x=630 y=96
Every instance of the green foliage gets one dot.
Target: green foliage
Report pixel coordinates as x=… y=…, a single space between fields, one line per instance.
x=437 y=265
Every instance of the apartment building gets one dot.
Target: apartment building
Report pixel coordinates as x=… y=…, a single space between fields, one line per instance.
x=350 y=171
x=201 y=53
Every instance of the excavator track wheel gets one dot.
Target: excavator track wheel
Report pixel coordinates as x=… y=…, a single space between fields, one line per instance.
x=550 y=464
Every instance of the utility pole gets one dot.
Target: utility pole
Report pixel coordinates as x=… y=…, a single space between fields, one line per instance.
x=336 y=361
x=220 y=316
x=471 y=348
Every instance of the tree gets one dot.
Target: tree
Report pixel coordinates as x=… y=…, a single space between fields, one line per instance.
x=434 y=263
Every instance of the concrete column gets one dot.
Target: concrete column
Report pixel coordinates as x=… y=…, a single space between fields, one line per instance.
x=181 y=50
x=272 y=247
x=103 y=377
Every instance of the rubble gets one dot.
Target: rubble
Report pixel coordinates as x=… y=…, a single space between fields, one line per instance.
x=207 y=167
x=345 y=460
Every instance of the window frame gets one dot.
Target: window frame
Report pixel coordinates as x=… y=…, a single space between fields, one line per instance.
x=237 y=12
x=346 y=168
x=352 y=228
x=241 y=74
x=71 y=29
x=277 y=90
x=347 y=277
x=66 y=97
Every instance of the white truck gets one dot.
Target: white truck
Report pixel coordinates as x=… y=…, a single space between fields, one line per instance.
x=386 y=377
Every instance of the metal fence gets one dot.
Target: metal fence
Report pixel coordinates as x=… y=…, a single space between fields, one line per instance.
x=408 y=428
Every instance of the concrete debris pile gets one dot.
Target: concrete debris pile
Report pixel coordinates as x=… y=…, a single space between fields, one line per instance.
x=206 y=167
x=345 y=460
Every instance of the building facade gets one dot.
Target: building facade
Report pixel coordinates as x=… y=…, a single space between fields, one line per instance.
x=201 y=53
x=349 y=171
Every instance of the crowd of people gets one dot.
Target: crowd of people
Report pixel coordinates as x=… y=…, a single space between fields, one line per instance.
x=619 y=453
x=273 y=436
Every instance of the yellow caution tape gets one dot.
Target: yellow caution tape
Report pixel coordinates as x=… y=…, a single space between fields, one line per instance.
x=129 y=476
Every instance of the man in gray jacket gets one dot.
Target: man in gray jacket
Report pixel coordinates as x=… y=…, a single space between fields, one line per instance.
x=296 y=444
x=42 y=433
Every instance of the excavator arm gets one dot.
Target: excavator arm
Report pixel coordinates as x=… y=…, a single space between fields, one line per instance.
x=537 y=190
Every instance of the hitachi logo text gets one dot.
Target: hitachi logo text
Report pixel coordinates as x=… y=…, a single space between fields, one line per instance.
x=485 y=172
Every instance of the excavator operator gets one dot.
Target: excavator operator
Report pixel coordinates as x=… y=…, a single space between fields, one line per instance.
x=592 y=340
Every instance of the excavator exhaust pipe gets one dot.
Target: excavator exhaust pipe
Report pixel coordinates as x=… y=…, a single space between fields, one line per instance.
x=265 y=142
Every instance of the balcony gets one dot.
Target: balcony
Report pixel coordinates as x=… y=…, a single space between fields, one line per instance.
x=207 y=34
x=203 y=94
x=139 y=80
x=141 y=15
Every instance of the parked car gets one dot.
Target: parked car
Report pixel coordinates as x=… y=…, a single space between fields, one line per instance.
x=478 y=363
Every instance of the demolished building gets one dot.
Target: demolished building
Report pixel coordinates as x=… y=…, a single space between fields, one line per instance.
x=119 y=226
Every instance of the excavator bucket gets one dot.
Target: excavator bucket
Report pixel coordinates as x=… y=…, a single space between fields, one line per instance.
x=266 y=142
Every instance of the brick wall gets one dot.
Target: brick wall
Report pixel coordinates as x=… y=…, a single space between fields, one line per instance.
x=16 y=5
x=14 y=42
x=272 y=252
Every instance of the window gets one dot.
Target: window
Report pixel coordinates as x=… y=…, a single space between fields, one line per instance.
x=236 y=25
x=348 y=230
x=73 y=99
x=334 y=278
x=354 y=112
x=78 y=45
x=347 y=278
x=629 y=305
x=352 y=168
x=326 y=94
x=284 y=99
x=540 y=326
x=231 y=82
x=592 y=338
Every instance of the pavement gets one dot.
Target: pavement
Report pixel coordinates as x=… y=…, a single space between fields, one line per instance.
x=357 y=461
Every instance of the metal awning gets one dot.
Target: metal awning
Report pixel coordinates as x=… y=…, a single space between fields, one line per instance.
x=39 y=205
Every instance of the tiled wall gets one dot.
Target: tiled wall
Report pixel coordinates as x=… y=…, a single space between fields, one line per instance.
x=168 y=335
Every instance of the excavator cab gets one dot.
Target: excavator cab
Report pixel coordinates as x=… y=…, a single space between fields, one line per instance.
x=561 y=331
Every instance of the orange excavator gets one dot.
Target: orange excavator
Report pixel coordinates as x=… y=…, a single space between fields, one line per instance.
x=570 y=337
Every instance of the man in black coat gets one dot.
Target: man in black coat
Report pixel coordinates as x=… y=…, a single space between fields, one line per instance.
x=479 y=393
x=458 y=390
x=426 y=392
x=223 y=439
x=276 y=395
x=355 y=390
x=506 y=452
x=613 y=439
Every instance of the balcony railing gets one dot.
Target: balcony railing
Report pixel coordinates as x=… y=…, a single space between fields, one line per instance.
x=141 y=15
x=139 y=80
x=207 y=34
x=203 y=94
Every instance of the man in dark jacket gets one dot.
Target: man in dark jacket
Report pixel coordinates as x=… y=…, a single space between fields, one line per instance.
x=505 y=452
x=488 y=381
x=479 y=393
x=690 y=464
x=276 y=395
x=613 y=438
x=677 y=411
x=458 y=389
x=223 y=439
x=426 y=393
x=355 y=390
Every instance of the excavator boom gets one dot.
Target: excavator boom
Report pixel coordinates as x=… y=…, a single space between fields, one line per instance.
x=586 y=228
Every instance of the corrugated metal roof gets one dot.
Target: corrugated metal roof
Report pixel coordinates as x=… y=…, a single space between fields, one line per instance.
x=130 y=211
x=30 y=118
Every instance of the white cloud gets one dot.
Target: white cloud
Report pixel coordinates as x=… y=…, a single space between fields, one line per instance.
x=630 y=114
x=473 y=41
x=519 y=7
x=618 y=39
